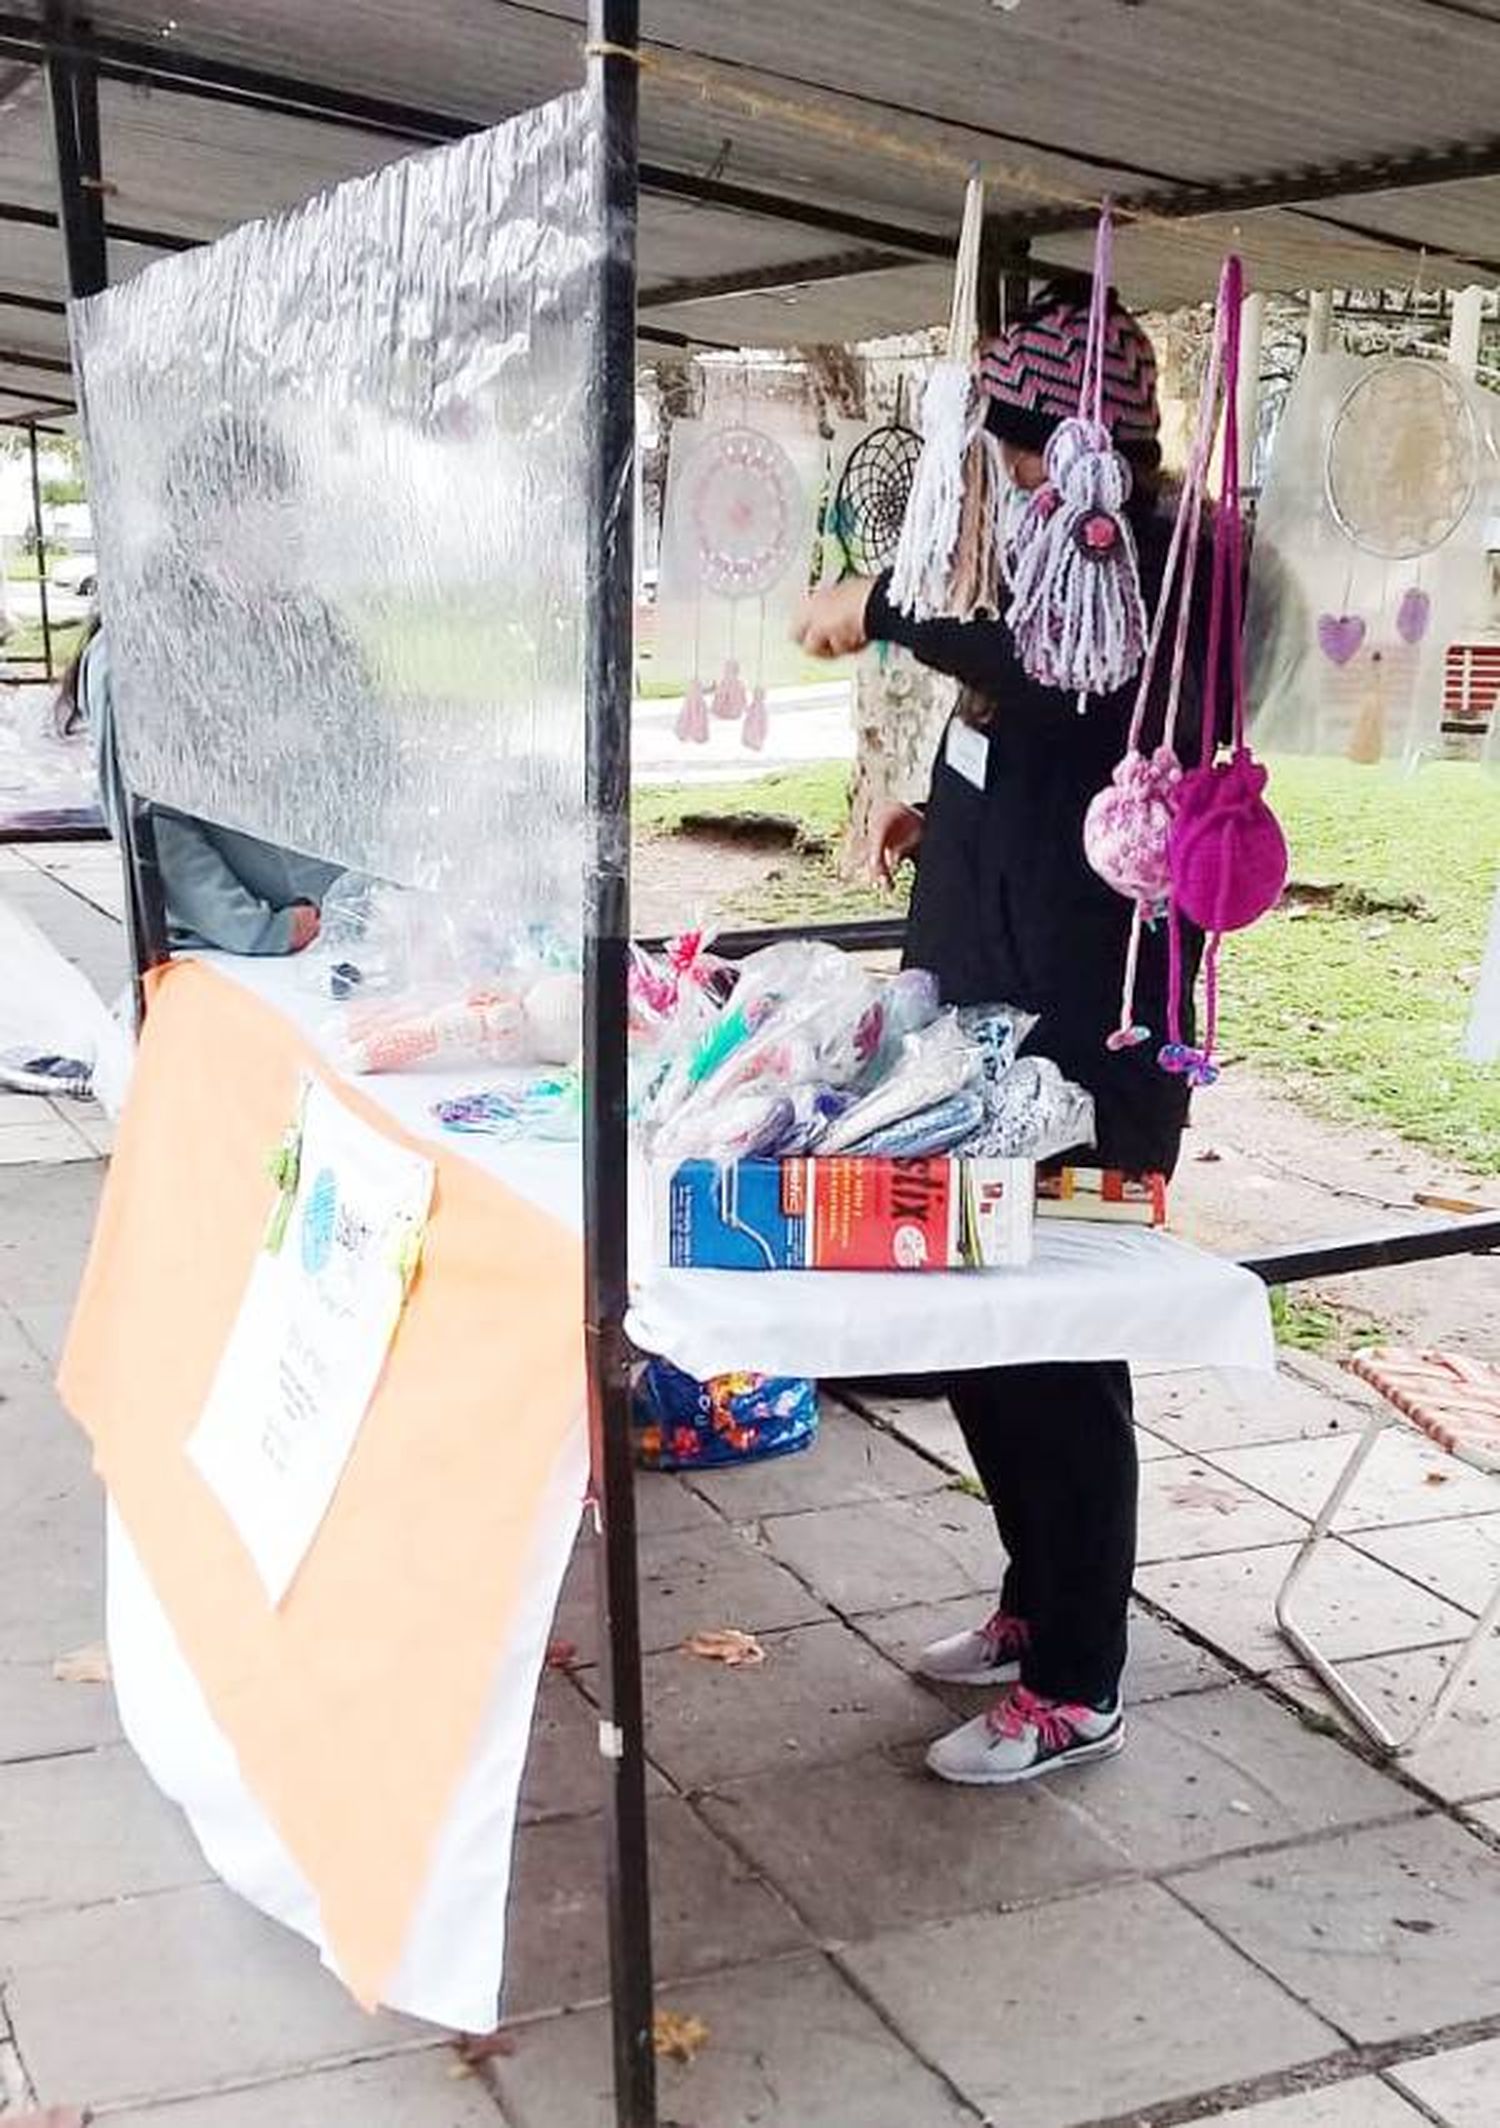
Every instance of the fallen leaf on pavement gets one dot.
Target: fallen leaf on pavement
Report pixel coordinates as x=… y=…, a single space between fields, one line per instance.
x=726 y=1644
x=677 y=2038
x=561 y=1654
x=472 y=2048
x=85 y=1666
x=1436 y=1477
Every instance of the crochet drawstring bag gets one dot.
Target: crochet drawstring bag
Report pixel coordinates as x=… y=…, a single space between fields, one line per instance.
x=1128 y=826
x=1076 y=612
x=1227 y=852
x=948 y=560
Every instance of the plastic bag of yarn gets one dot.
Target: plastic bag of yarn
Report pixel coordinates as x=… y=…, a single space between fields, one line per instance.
x=1033 y=1113
x=931 y=1066
x=683 y=1424
x=946 y=1127
x=997 y=1032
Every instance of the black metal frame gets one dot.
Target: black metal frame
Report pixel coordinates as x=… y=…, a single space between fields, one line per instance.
x=614 y=31
x=74 y=60
x=74 y=93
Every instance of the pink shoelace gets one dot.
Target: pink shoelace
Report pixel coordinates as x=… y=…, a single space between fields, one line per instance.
x=1004 y=1634
x=1055 y=1721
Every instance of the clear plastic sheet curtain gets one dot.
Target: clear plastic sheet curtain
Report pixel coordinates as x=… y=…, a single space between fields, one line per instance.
x=339 y=467
x=1369 y=557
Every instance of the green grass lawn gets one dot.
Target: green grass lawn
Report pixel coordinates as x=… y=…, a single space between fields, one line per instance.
x=1359 y=1009
x=24 y=644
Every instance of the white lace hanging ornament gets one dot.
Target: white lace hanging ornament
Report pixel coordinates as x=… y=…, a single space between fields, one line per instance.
x=1127 y=829
x=741 y=514
x=949 y=564
x=1076 y=611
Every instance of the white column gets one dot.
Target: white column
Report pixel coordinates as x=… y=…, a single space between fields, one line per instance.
x=1463 y=336
x=1252 y=332
x=1319 y=321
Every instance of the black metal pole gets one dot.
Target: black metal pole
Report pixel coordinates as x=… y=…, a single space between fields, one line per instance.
x=72 y=85
x=73 y=88
x=614 y=29
x=41 y=550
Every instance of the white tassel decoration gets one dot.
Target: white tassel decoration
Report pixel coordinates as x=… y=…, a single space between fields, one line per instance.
x=939 y=573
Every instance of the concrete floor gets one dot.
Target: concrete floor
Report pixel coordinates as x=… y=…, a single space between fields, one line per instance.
x=1239 y=1918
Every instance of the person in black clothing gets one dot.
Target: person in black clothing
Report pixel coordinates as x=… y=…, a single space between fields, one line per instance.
x=1006 y=908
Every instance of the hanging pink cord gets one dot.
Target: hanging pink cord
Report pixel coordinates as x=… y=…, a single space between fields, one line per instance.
x=1226 y=588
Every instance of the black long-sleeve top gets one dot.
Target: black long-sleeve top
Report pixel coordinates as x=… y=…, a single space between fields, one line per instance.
x=1006 y=906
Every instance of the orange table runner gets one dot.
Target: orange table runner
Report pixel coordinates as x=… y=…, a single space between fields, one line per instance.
x=355 y=1707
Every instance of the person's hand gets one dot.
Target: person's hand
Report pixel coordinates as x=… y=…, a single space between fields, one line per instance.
x=306 y=924
x=830 y=622
x=895 y=837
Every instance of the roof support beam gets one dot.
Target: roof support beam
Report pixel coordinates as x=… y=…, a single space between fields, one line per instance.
x=62 y=406
x=793 y=273
x=46 y=365
x=42 y=306
x=73 y=89
x=28 y=217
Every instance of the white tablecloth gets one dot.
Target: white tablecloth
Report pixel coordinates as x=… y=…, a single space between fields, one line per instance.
x=1091 y=1292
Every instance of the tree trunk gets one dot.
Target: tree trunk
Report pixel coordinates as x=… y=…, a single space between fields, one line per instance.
x=900 y=709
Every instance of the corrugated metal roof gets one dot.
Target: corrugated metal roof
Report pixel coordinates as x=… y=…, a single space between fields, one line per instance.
x=843 y=124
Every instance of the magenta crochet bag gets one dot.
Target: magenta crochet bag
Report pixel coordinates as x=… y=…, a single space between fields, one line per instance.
x=1227 y=853
x=1127 y=829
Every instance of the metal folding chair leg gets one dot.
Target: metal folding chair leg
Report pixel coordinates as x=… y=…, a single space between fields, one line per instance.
x=1324 y=1667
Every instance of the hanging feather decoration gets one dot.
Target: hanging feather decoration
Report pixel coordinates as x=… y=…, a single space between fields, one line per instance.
x=949 y=562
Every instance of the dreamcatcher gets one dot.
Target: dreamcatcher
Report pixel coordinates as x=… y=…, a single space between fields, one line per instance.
x=868 y=505
x=739 y=518
x=1400 y=477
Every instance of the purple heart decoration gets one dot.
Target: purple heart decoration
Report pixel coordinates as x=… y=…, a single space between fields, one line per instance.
x=1413 y=614
x=1340 y=635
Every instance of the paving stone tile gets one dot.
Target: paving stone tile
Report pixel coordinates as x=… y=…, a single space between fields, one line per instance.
x=665 y=1506
x=51 y=1578
x=821 y=1694
x=149 y=1996
x=89 y=1827
x=1461 y=2088
x=41 y=1718
x=790 y=2045
x=875 y=1843
x=1364 y=2102
x=1388 y=1931
x=1085 y=2009
x=926 y=1422
x=881 y=1553
x=712 y=1575
x=1352 y=1603
x=1161 y=1662
x=1218 y=1771
x=850 y=1460
x=1486 y=1814
x=1204 y=1411
x=564 y=1773
x=708 y=1909
x=1459 y=1560
x=398 y=2091
x=44 y=1141
x=1188 y=1507
x=1462 y=1759
x=1407 y=1479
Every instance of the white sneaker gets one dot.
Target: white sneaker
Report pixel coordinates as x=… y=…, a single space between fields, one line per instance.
x=990 y=1655
x=1024 y=1735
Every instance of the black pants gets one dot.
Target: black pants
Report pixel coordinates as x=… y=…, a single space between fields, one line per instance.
x=1055 y=1448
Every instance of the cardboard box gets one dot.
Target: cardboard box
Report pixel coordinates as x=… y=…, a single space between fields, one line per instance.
x=845 y=1214
x=1102 y=1193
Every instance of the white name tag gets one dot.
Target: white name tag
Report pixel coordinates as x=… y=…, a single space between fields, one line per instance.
x=968 y=753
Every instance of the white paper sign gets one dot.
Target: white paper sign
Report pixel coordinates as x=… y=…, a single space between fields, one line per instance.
x=312 y=1336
